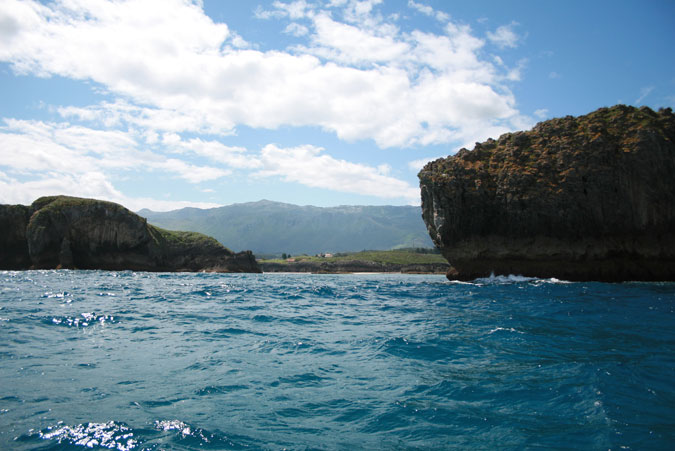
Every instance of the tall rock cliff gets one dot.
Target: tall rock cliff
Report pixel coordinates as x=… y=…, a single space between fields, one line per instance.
x=69 y=232
x=577 y=198
x=13 y=244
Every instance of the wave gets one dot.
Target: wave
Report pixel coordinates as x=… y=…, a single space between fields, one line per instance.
x=501 y=279
x=377 y=362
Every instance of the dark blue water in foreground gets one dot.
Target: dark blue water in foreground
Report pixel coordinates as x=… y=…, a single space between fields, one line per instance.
x=123 y=360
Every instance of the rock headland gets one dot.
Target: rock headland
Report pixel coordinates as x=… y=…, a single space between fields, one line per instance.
x=70 y=232
x=576 y=198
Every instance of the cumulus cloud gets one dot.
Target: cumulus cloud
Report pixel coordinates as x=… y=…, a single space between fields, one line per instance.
x=175 y=77
x=309 y=166
x=188 y=72
x=350 y=44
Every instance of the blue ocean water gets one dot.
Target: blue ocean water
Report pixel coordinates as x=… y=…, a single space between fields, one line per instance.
x=132 y=361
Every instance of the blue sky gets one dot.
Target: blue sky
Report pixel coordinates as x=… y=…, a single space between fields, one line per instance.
x=171 y=103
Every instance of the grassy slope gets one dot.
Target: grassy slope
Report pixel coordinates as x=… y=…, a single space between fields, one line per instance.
x=400 y=257
x=183 y=238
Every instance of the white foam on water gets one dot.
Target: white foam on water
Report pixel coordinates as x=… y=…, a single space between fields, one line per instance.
x=505 y=329
x=514 y=278
x=105 y=435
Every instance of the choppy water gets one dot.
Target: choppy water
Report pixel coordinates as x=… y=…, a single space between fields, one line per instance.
x=123 y=360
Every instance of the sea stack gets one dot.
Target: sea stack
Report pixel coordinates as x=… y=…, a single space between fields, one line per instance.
x=575 y=198
x=70 y=232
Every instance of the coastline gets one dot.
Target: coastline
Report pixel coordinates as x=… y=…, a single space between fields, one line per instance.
x=352 y=267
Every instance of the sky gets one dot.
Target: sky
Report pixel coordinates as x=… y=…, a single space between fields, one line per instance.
x=165 y=104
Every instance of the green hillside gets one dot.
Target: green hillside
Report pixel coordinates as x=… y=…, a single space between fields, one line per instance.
x=267 y=227
x=398 y=257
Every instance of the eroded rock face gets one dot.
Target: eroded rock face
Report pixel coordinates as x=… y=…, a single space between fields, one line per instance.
x=577 y=198
x=13 y=245
x=68 y=232
x=84 y=233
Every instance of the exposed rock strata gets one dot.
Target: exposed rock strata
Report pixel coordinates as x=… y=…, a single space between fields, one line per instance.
x=577 y=198
x=68 y=232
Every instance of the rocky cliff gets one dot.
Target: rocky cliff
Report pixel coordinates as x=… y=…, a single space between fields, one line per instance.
x=13 y=244
x=577 y=198
x=69 y=232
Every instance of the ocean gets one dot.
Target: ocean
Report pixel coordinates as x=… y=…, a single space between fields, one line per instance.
x=183 y=361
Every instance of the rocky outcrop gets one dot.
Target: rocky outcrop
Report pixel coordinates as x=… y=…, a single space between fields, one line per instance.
x=13 y=245
x=577 y=198
x=69 y=232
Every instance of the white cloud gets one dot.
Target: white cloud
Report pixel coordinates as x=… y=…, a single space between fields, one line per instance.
x=266 y=14
x=352 y=45
x=232 y=156
x=33 y=146
x=417 y=165
x=429 y=11
x=123 y=114
x=91 y=184
x=45 y=158
x=60 y=158
x=295 y=10
x=644 y=92
x=424 y=9
x=514 y=74
x=309 y=166
x=360 y=77
x=192 y=173
x=504 y=36
x=88 y=184
x=296 y=29
x=541 y=113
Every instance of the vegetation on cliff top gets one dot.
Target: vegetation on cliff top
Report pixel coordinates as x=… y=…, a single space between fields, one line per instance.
x=180 y=238
x=57 y=202
x=533 y=152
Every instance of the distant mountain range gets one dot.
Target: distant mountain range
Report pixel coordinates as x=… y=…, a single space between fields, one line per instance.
x=267 y=227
